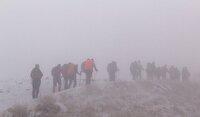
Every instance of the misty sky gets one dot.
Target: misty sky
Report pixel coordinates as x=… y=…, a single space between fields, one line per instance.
x=59 y=31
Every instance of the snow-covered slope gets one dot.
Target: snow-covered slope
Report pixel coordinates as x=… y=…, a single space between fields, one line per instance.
x=129 y=98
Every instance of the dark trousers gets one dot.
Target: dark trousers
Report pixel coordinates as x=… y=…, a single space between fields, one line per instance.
x=74 y=81
x=36 y=87
x=135 y=76
x=57 y=81
x=66 y=83
x=88 y=77
x=139 y=76
x=112 y=76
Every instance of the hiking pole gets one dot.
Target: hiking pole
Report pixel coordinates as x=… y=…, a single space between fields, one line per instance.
x=95 y=76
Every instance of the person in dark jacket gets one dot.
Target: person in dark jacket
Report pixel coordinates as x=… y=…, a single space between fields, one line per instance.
x=36 y=76
x=140 y=70
x=133 y=70
x=112 y=70
x=56 y=73
x=164 y=71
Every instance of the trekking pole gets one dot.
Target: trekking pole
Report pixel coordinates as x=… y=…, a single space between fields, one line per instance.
x=94 y=78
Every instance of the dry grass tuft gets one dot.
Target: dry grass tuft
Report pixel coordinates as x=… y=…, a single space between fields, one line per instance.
x=47 y=107
x=18 y=111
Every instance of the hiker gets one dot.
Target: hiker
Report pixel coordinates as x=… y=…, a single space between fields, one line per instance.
x=83 y=67
x=36 y=76
x=177 y=74
x=185 y=74
x=112 y=69
x=139 y=70
x=56 y=73
x=158 y=73
x=88 y=67
x=65 y=76
x=72 y=70
x=150 y=70
x=133 y=70
x=164 y=72
x=174 y=73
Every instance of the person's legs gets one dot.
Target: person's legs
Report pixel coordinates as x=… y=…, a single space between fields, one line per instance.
x=140 y=76
x=70 y=82
x=66 y=83
x=37 y=88
x=54 y=84
x=59 y=84
x=90 y=77
x=75 y=82
x=134 y=76
x=112 y=76
x=87 y=78
x=34 y=87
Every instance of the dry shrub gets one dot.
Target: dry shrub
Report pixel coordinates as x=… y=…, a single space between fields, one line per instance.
x=89 y=111
x=47 y=107
x=18 y=111
x=92 y=90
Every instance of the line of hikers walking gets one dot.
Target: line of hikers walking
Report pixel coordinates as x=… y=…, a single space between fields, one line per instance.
x=154 y=72
x=70 y=71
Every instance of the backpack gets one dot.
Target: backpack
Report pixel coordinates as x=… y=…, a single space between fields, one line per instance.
x=64 y=70
x=71 y=70
x=88 y=66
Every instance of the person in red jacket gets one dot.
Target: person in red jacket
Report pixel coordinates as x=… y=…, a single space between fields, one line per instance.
x=36 y=76
x=88 y=67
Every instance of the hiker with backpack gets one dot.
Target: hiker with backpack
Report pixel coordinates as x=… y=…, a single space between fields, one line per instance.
x=56 y=73
x=64 y=71
x=158 y=73
x=134 y=70
x=185 y=74
x=140 y=70
x=87 y=67
x=112 y=69
x=72 y=70
x=150 y=71
x=36 y=76
x=174 y=73
x=164 y=71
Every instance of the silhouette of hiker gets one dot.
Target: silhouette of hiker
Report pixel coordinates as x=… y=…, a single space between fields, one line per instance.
x=112 y=69
x=36 y=76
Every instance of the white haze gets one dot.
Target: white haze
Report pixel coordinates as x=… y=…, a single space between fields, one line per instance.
x=60 y=31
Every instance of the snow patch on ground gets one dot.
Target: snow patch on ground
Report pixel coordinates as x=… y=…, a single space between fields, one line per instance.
x=129 y=98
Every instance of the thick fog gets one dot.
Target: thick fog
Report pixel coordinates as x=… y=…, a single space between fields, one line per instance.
x=61 y=31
